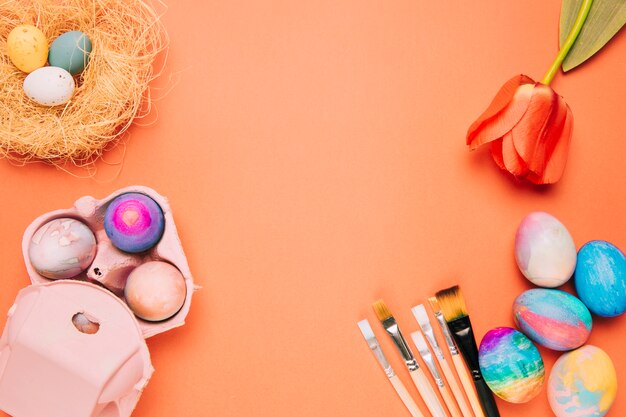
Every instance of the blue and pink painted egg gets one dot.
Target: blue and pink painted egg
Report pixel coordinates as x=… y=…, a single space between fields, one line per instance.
x=552 y=318
x=511 y=365
x=134 y=222
x=600 y=278
x=544 y=250
x=582 y=383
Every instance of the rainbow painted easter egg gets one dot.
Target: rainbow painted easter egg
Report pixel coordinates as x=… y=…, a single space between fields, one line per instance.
x=552 y=318
x=582 y=383
x=511 y=365
x=62 y=248
x=600 y=278
x=544 y=250
x=134 y=222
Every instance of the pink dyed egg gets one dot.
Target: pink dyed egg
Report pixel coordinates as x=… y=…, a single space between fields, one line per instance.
x=155 y=291
x=544 y=250
x=62 y=248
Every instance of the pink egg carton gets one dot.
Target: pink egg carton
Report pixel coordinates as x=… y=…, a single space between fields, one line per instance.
x=50 y=368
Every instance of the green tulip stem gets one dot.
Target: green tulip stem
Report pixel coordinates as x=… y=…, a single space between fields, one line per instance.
x=567 y=45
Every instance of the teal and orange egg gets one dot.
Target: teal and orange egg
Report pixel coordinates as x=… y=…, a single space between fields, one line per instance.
x=582 y=383
x=511 y=365
x=552 y=318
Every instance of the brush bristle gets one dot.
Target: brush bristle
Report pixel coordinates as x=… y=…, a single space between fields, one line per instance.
x=366 y=329
x=381 y=310
x=452 y=303
x=418 y=339
x=434 y=304
x=420 y=314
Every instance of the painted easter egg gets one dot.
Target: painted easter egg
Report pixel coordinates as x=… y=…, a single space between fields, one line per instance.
x=511 y=365
x=62 y=248
x=544 y=250
x=155 y=291
x=134 y=222
x=49 y=86
x=552 y=318
x=27 y=48
x=582 y=383
x=600 y=278
x=70 y=51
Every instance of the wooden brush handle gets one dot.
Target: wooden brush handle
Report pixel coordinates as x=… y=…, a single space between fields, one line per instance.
x=456 y=390
x=405 y=396
x=447 y=398
x=428 y=394
x=468 y=386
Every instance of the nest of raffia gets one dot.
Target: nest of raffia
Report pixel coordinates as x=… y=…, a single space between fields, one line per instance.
x=112 y=92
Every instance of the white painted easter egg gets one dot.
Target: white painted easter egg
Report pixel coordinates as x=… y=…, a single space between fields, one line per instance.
x=62 y=248
x=49 y=86
x=544 y=250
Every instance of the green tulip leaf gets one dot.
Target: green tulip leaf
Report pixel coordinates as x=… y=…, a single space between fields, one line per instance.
x=605 y=19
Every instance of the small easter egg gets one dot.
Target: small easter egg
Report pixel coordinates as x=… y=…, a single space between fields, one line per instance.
x=62 y=248
x=552 y=318
x=511 y=365
x=27 y=48
x=582 y=383
x=155 y=291
x=544 y=250
x=70 y=51
x=600 y=278
x=134 y=222
x=49 y=86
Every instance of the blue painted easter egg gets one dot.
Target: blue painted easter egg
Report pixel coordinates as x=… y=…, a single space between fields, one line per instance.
x=552 y=318
x=511 y=365
x=71 y=52
x=600 y=278
x=134 y=222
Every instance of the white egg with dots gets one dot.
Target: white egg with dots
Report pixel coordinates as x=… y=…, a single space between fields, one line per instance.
x=49 y=86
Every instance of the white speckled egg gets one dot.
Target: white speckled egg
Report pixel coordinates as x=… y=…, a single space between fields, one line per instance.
x=544 y=250
x=62 y=248
x=49 y=86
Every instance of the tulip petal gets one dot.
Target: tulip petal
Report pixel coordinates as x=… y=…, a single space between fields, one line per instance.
x=512 y=161
x=496 y=153
x=528 y=132
x=505 y=111
x=558 y=157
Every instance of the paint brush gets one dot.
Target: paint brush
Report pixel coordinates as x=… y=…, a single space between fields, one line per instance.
x=417 y=374
x=461 y=370
x=429 y=360
x=454 y=311
x=404 y=395
x=419 y=312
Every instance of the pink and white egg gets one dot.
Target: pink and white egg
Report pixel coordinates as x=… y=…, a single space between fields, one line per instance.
x=62 y=248
x=544 y=250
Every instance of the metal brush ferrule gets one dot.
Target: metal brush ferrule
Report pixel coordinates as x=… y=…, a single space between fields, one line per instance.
x=430 y=335
x=392 y=329
x=382 y=359
x=446 y=334
x=430 y=363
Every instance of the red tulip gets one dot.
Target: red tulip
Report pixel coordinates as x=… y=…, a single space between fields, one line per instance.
x=529 y=127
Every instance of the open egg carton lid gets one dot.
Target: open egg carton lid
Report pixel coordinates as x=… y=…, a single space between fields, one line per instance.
x=111 y=266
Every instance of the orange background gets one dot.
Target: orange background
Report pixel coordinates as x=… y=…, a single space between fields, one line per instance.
x=313 y=153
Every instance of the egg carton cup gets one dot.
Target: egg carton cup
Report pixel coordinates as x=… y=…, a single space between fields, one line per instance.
x=48 y=366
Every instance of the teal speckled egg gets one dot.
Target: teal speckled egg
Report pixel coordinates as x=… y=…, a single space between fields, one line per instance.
x=70 y=51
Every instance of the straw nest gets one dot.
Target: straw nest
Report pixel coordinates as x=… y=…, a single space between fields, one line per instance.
x=127 y=37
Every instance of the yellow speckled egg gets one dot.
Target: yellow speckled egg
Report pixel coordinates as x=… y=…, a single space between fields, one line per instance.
x=27 y=48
